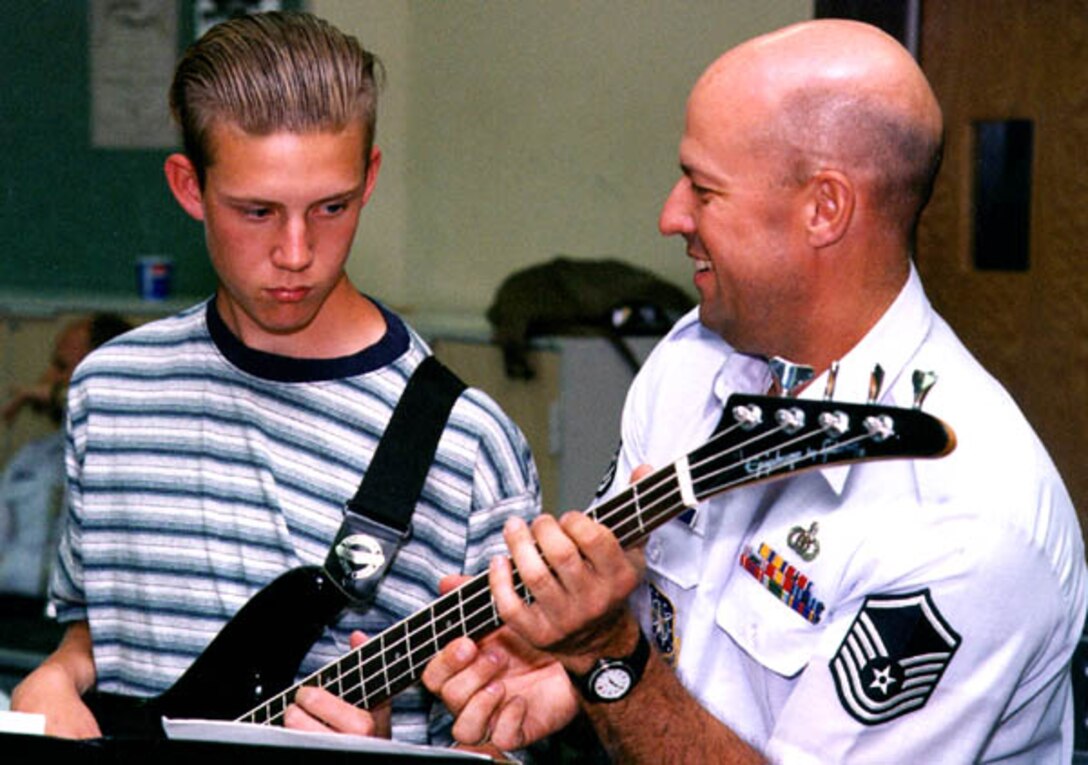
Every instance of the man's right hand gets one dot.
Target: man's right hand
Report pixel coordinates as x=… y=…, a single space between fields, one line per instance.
x=503 y=692
x=49 y=691
x=55 y=689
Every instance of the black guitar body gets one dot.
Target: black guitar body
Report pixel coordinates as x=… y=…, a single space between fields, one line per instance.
x=253 y=658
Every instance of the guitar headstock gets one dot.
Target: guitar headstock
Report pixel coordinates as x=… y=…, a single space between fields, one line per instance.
x=760 y=437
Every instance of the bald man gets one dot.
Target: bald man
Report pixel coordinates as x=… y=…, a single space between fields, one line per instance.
x=946 y=596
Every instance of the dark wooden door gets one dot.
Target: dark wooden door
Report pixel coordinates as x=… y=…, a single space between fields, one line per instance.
x=993 y=60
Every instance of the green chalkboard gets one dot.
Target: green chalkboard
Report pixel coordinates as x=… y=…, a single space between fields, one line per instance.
x=74 y=217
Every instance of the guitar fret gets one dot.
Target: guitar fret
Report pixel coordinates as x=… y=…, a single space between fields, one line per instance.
x=377 y=667
x=351 y=682
x=635 y=500
x=445 y=617
x=666 y=503
x=421 y=632
x=280 y=704
x=648 y=503
x=399 y=665
x=330 y=679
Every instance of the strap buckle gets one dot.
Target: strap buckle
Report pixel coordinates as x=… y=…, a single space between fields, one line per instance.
x=361 y=554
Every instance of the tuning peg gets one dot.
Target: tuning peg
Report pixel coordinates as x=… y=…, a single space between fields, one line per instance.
x=832 y=376
x=876 y=380
x=923 y=382
x=789 y=375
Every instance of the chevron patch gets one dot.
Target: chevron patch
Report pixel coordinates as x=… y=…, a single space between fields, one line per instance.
x=892 y=657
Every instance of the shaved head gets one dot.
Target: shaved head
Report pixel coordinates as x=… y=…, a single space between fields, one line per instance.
x=833 y=94
x=807 y=157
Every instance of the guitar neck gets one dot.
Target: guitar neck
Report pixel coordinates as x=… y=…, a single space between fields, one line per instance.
x=766 y=439
x=394 y=659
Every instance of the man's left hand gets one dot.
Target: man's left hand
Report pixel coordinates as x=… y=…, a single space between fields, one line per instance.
x=315 y=709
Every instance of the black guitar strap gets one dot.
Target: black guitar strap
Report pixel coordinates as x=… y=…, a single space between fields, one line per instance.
x=377 y=520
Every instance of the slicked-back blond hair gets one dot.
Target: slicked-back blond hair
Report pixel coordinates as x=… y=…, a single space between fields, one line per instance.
x=270 y=72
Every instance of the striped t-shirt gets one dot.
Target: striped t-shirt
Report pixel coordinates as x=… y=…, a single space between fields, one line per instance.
x=200 y=469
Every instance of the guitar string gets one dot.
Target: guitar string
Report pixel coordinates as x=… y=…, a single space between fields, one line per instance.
x=493 y=620
x=476 y=615
x=650 y=512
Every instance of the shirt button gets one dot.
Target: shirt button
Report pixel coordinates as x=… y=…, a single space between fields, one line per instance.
x=653 y=551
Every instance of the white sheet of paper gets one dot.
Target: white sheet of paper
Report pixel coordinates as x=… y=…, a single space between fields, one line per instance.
x=274 y=735
x=21 y=722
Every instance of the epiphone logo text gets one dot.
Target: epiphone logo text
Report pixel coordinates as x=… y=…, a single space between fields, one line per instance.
x=777 y=461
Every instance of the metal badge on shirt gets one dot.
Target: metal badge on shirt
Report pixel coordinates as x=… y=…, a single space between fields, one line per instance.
x=804 y=542
x=892 y=657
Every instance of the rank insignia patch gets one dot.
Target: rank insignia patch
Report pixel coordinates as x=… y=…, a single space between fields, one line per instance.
x=663 y=625
x=783 y=580
x=892 y=657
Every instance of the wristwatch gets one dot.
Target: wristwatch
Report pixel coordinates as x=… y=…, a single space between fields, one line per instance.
x=611 y=679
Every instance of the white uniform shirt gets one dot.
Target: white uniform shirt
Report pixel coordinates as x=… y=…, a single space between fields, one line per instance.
x=973 y=566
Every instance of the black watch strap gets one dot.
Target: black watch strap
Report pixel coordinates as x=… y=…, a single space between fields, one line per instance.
x=597 y=685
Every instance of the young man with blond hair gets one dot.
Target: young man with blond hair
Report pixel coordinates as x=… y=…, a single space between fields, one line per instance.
x=214 y=450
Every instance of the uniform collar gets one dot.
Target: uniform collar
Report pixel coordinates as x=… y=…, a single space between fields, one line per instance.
x=891 y=343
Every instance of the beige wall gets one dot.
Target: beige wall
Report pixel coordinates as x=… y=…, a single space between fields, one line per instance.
x=514 y=131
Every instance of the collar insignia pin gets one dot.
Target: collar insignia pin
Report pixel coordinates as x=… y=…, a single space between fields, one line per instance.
x=803 y=542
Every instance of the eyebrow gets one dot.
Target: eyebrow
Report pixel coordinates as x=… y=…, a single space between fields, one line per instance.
x=336 y=197
x=690 y=172
x=702 y=180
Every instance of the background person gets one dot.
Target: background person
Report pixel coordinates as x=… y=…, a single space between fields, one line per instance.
x=32 y=483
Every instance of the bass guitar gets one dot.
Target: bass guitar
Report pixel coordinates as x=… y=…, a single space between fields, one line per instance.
x=244 y=676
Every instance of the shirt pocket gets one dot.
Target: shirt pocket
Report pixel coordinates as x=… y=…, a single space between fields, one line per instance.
x=768 y=627
x=673 y=554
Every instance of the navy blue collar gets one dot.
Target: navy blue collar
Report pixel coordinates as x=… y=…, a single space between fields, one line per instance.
x=271 y=366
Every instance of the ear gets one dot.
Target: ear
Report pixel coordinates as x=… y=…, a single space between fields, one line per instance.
x=182 y=179
x=372 y=168
x=830 y=207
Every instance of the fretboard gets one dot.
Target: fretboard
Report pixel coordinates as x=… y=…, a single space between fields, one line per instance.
x=394 y=659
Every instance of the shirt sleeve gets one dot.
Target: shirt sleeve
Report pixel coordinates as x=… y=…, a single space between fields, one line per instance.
x=505 y=484
x=973 y=641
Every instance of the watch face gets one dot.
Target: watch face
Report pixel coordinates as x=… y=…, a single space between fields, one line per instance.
x=611 y=683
